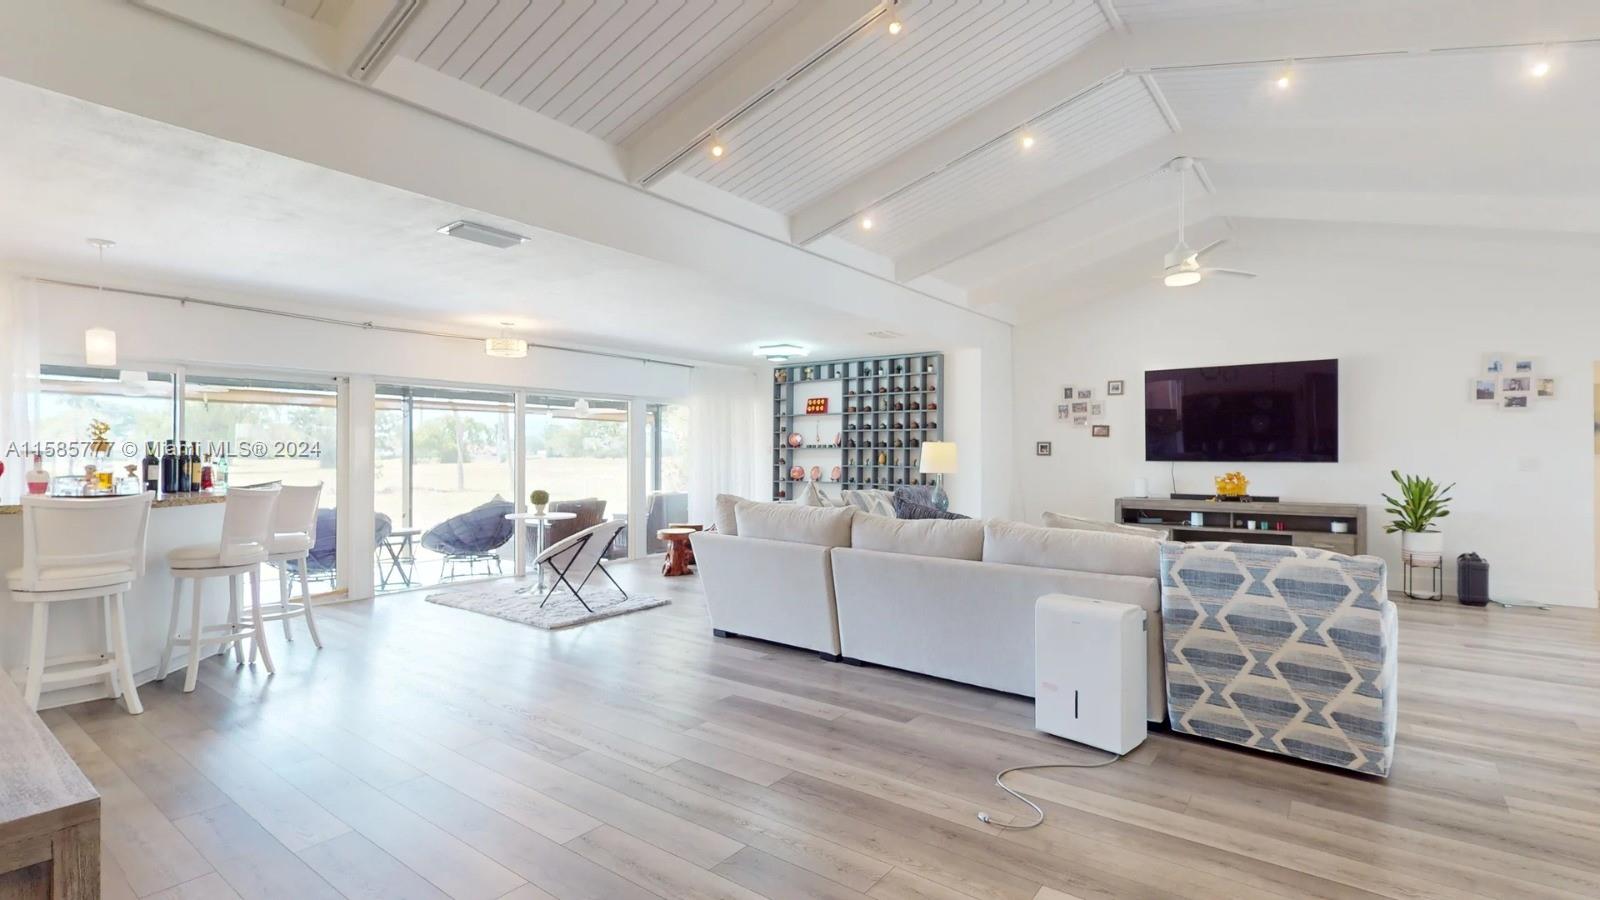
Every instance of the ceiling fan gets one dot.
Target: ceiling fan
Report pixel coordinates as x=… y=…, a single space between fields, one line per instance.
x=1182 y=261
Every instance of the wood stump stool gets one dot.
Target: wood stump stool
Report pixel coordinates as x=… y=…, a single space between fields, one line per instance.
x=680 y=556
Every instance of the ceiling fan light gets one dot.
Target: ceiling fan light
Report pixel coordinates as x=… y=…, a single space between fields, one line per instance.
x=1181 y=278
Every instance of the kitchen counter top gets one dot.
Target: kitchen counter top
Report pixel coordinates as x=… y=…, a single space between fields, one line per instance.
x=196 y=498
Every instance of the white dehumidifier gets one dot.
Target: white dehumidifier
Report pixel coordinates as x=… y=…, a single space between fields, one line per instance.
x=1089 y=671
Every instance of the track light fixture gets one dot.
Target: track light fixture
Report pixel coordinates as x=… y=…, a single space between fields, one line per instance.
x=1285 y=79
x=866 y=223
x=1026 y=141
x=716 y=148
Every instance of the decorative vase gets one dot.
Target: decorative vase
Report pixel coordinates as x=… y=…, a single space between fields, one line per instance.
x=538 y=508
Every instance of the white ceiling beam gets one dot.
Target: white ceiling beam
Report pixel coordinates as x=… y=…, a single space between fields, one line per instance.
x=1349 y=29
x=761 y=66
x=268 y=26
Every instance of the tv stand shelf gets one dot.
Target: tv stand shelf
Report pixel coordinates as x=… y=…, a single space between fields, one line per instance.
x=1302 y=524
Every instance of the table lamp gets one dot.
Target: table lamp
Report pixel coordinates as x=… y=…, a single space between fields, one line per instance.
x=939 y=459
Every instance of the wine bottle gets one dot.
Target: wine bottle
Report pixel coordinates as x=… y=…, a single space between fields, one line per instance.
x=184 y=485
x=169 y=469
x=195 y=465
x=206 y=471
x=151 y=467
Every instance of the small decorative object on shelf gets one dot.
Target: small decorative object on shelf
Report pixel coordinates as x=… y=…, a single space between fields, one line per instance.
x=932 y=405
x=796 y=440
x=798 y=473
x=816 y=406
x=816 y=473
x=539 y=499
x=781 y=376
x=1230 y=486
x=837 y=472
x=37 y=478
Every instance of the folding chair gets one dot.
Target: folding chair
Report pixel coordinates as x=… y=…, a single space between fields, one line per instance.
x=583 y=552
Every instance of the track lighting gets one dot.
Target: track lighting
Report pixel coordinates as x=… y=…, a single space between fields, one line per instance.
x=1027 y=141
x=895 y=25
x=866 y=223
x=1285 y=79
x=716 y=148
x=1539 y=67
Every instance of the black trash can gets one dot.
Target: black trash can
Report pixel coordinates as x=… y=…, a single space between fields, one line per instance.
x=1472 y=579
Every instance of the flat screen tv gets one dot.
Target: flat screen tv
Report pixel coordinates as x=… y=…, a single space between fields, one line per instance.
x=1271 y=412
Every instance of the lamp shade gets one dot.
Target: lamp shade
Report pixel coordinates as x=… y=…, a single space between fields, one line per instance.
x=100 y=347
x=938 y=458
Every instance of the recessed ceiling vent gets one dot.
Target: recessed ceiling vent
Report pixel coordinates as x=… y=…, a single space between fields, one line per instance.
x=482 y=234
x=885 y=335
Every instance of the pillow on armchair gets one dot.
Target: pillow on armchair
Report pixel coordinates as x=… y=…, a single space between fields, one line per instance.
x=906 y=508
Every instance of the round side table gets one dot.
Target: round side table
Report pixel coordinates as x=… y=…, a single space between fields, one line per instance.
x=679 y=554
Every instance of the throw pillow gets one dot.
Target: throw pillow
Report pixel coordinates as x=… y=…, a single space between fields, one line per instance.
x=722 y=517
x=1078 y=523
x=878 y=503
x=905 y=508
x=921 y=494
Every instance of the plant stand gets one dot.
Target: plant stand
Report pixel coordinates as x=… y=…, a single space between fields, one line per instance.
x=1433 y=563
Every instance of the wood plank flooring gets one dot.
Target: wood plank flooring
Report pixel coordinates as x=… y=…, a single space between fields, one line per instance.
x=433 y=753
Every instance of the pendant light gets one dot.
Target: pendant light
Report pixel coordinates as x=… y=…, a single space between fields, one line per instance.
x=505 y=346
x=581 y=408
x=100 y=344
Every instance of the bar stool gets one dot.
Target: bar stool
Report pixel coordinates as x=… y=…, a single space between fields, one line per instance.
x=246 y=534
x=80 y=549
x=294 y=531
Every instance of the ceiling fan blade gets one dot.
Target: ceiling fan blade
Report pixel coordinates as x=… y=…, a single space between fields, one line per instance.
x=1240 y=272
x=1210 y=247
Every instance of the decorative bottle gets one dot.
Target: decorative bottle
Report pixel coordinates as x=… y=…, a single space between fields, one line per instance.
x=38 y=479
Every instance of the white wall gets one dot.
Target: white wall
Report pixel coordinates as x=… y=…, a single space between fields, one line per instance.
x=1408 y=316
x=156 y=331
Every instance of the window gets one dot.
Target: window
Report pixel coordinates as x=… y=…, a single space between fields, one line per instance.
x=442 y=457
x=273 y=430
x=577 y=449
x=138 y=410
x=666 y=466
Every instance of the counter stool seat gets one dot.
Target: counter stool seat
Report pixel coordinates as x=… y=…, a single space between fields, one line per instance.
x=246 y=532
x=209 y=556
x=294 y=533
x=81 y=549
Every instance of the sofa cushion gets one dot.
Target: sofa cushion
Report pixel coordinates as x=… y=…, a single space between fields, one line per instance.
x=924 y=537
x=1057 y=548
x=825 y=527
x=906 y=508
x=1078 y=523
x=879 y=503
x=722 y=517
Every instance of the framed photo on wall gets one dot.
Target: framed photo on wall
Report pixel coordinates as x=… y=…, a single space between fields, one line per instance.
x=1041 y=448
x=1114 y=388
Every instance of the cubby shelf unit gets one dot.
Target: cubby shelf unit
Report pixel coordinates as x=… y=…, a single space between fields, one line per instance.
x=871 y=387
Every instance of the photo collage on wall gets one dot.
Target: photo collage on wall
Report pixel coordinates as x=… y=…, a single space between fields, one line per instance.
x=1511 y=383
x=1079 y=407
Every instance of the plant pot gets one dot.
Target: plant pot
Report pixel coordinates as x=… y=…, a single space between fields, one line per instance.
x=1422 y=543
x=538 y=509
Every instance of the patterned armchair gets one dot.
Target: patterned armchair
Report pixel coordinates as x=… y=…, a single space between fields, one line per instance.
x=1285 y=649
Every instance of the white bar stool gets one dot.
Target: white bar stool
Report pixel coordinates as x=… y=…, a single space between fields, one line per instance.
x=79 y=549
x=294 y=531
x=246 y=534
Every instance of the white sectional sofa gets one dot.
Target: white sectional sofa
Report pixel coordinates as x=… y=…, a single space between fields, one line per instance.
x=948 y=598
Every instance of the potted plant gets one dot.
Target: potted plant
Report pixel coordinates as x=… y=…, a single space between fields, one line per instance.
x=1421 y=503
x=539 y=499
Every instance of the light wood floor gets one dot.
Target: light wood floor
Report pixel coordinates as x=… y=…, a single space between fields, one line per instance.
x=430 y=752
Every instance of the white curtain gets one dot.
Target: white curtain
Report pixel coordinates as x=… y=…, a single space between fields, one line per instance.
x=19 y=379
x=724 y=405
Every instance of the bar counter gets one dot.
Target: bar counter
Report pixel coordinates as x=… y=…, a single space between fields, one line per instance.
x=77 y=626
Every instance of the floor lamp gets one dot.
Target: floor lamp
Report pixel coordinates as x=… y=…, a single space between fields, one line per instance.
x=938 y=460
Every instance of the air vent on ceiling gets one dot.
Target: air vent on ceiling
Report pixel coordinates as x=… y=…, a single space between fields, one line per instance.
x=482 y=234
x=885 y=335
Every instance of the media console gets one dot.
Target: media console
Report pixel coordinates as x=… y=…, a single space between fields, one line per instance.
x=1298 y=524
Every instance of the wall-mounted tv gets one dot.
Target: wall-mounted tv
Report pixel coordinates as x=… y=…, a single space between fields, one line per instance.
x=1271 y=412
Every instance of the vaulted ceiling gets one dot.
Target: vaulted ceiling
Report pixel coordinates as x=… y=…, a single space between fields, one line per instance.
x=998 y=147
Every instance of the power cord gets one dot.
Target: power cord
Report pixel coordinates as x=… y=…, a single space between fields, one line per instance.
x=999 y=780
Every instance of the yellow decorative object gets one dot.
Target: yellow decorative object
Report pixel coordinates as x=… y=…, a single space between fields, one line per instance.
x=1233 y=484
x=97 y=437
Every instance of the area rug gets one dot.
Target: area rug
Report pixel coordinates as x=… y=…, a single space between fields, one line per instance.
x=519 y=602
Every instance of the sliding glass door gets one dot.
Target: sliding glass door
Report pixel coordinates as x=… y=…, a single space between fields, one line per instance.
x=576 y=450
x=666 y=466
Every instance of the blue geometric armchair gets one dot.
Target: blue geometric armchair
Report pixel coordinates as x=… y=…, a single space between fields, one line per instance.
x=1285 y=649
x=472 y=537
